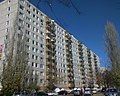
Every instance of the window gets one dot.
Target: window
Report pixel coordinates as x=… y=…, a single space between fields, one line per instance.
x=36 y=64
x=37 y=30
x=33 y=34
x=33 y=15
x=37 y=24
x=27 y=54
x=41 y=45
x=28 y=25
x=29 y=19
x=20 y=21
x=36 y=50
x=28 y=40
x=28 y=11
x=6 y=37
x=7 y=23
x=21 y=14
x=41 y=73
x=34 y=73
x=33 y=49
x=7 y=30
x=36 y=43
x=9 y=1
x=37 y=18
x=33 y=9
x=41 y=14
x=41 y=58
x=41 y=51
x=34 y=29
x=8 y=15
x=27 y=32
x=8 y=8
x=41 y=65
x=28 y=5
x=41 y=80
x=36 y=36
x=34 y=22
x=36 y=58
x=32 y=63
x=41 y=22
x=21 y=7
x=33 y=42
x=41 y=32
x=37 y=12
x=33 y=56
x=27 y=47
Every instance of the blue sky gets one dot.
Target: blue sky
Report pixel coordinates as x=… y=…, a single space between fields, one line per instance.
x=87 y=27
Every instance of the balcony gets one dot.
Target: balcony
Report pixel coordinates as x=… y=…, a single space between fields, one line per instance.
x=67 y=35
x=49 y=43
x=71 y=85
x=70 y=79
x=82 y=70
x=91 y=72
x=48 y=21
x=48 y=56
x=69 y=55
x=48 y=61
x=69 y=60
x=70 y=66
x=54 y=67
x=48 y=37
x=90 y=69
x=51 y=68
x=53 y=35
x=48 y=65
x=70 y=74
x=53 y=45
x=48 y=46
x=69 y=70
x=80 y=53
x=50 y=26
x=53 y=40
x=68 y=41
x=96 y=62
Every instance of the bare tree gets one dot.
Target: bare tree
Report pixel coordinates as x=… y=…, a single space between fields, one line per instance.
x=113 y=52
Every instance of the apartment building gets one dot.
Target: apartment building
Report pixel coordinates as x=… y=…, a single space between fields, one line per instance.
x=53 y=52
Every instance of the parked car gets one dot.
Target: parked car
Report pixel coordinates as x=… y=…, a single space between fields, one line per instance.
x=75 y=92
x=94 y=90
x=103 y=89
x=62 y=92
x=111 y=92
x=24 y=93
x=87 y=92
x=52 y=94
x=41 y=93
